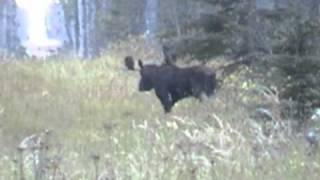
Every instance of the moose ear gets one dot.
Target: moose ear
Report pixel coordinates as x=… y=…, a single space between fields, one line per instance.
x=140 y=64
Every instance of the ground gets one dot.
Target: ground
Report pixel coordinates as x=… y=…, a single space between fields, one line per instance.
x=100 y=125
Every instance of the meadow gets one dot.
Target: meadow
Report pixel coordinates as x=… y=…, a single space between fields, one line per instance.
x=90 y=122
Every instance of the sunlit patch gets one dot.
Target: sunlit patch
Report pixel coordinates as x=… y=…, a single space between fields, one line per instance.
x=37 y=42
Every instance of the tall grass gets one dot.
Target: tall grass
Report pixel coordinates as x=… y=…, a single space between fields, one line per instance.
x=97 y=125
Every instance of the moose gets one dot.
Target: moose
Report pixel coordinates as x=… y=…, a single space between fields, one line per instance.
x=172 y=83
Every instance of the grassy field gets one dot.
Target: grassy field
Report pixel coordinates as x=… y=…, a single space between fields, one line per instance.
x=95 y=124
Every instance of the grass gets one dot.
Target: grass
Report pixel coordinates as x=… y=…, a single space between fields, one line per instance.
x=100 y=125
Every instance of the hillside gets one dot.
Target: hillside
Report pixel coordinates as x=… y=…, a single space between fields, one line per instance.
x=98 y=124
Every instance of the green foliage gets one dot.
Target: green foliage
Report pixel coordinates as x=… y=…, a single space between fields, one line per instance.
x=292 y=36
x=199 y=45
x=301 y=82
x=292 y=33
x=207 y=34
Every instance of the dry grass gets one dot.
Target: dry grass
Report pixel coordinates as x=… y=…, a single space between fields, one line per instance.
x=101 y=127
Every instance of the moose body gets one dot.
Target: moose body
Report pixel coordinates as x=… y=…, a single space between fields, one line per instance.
x=172 y=83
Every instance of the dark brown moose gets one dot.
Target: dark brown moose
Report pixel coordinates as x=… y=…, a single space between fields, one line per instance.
x=172 y=83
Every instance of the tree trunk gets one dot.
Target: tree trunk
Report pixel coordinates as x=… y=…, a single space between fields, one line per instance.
x=67 y=24
x=95 y=39
x=11 y=39
x=251 y=25
x=77 y=28
x=85 y=28
x=2 y=25
x=175 y=16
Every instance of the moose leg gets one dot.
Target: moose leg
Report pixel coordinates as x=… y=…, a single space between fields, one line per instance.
x=203 y=97
x=197 y=90
x=164 y=98
x=175 y=96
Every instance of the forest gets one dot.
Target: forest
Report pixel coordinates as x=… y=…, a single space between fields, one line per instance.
x=76 y=101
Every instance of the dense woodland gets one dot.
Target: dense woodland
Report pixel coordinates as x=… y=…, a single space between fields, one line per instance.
x=279 y=89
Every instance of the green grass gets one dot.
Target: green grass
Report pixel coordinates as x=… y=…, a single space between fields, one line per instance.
x=94 y=108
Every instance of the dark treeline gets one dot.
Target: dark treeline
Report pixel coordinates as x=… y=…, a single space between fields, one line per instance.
x=206 y=28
